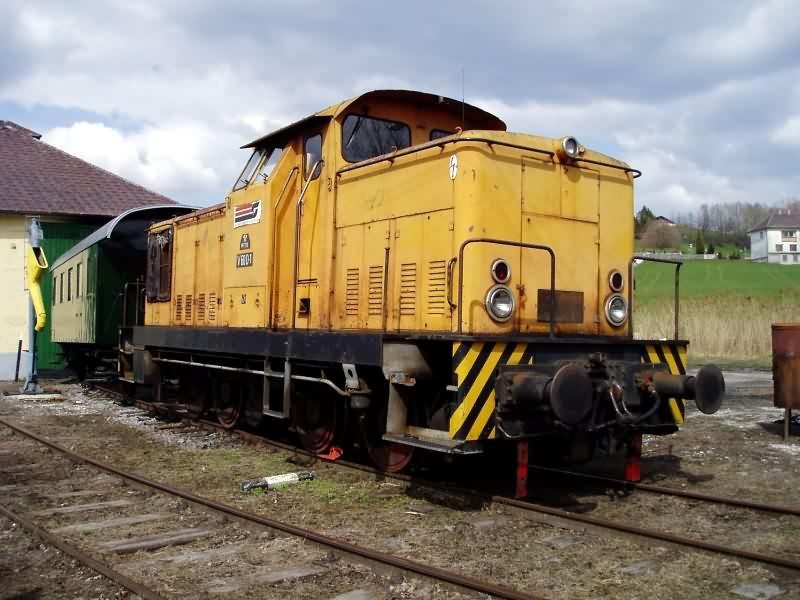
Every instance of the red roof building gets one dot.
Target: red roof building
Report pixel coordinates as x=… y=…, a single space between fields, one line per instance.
x=70 y=198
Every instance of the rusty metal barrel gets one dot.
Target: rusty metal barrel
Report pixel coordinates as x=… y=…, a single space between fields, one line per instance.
x=786 y=364
x=786 y=369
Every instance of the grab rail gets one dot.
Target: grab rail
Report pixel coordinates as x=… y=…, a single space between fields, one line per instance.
x=670 y=261
x=442 y=142
x=547 y=249
x=297 y=216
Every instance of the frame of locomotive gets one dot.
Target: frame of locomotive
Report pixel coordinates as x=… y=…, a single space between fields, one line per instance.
x=440 y=284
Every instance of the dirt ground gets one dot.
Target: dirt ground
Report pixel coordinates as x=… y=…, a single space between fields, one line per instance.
x=737 y=452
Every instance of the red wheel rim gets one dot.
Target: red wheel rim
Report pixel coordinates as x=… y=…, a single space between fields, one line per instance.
x=391 y=458
x=315 y=420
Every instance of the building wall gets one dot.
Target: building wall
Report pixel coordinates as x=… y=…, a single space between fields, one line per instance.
x=758 y=245
x=765 y=250
x=14 y=299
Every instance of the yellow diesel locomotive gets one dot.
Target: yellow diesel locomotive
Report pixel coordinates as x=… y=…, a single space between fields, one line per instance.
x=401 y=268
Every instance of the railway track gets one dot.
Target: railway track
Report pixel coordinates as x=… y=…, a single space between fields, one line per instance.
x=530 y=508
x=103 y=554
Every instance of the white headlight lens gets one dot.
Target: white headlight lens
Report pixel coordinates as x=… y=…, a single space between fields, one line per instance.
x=500 y=303
x=570 y=146
x=616 y=310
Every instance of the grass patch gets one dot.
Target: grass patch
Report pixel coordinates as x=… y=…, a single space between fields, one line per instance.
x=727 y=307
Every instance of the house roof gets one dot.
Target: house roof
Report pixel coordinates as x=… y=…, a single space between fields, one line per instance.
x=37 y=178
x=779 y=219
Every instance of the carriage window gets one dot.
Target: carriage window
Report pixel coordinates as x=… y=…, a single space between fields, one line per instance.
x=365 y=137
x=313 y=154
x=61 y=288
x=53 y=291
x=159 y=266
x=69 y=285
x=440 y=133
x=247 y=172
x=271 y=159
x=78 y=281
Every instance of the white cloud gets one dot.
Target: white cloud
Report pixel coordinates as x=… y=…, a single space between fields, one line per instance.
x=788 y=132
x=179 y=158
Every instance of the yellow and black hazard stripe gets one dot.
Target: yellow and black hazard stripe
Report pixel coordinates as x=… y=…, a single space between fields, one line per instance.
x=672 y=354
x=475 y=364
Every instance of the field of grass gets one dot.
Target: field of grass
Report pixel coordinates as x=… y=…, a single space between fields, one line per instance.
x=727 y=307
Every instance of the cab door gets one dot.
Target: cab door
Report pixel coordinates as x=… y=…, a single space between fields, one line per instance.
x=307 y=296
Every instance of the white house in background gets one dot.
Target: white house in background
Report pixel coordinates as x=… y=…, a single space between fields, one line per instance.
x=776 y=239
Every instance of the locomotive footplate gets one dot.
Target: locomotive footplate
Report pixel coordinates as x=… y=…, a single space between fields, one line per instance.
x=597 y=394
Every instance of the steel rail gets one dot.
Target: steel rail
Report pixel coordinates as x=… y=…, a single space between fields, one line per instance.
x=553 y=512
x=460 y=581
x=659 y=489
x=530 y=507
x=81 y=556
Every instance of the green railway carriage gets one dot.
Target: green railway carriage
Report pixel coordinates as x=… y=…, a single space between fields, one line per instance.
x=93 y=282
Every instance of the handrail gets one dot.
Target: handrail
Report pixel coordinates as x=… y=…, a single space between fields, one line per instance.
x=454 y=139
x=670 y=261
x=297 y=212
x=547 y=249
x=440 y=143
x=271 y=273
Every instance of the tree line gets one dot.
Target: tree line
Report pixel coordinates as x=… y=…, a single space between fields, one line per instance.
x=709 y=226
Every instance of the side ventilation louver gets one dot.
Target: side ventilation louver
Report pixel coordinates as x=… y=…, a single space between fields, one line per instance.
x=212 y=306
x=351 y=293
x=201 y=308
x=375 y=303
x=188 y=308
x=408 y=289
x=437 y=279
x=179 y=307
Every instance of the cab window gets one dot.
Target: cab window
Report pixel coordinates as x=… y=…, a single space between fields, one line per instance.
x=440 y=133
x=247 y=172
x=159 y=266
x=312 y=155
x=367 y=137
x=271 y=158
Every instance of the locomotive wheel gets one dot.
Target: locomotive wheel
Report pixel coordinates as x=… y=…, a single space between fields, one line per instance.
x=387 y=457
x=390 y=457
x=228 y=405
x=315 y=420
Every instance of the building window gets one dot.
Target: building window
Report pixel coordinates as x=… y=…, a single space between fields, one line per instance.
x=778 y=247
x=78 y=281
x=761 y=235
x=61 y=288
x=796 y=256
x=792 y=247
x=69 y=285
x=785 y=257
x=366 y=137
x=313 y=155
x=159 y=266
x=789 y=234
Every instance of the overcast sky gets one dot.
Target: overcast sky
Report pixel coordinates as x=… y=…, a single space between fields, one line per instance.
x=704 y=97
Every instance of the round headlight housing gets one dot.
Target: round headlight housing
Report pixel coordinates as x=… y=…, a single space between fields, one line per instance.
x=616 y=281
x=501 y=271
x=500 y=303
x=616 y=310
x=570 y=146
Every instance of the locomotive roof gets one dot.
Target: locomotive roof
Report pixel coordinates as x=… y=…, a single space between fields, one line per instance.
x=423 y=99
x=125 y=226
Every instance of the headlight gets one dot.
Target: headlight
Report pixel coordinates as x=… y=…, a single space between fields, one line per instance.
x=570 y=146
x=616 y=281
x=500 y=303
x=501 y=271
x=616 y=310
